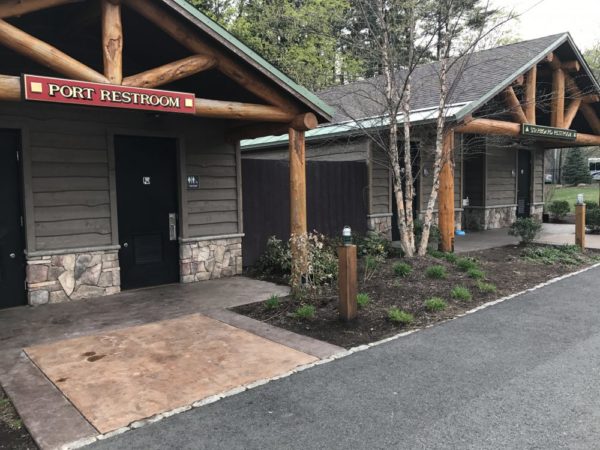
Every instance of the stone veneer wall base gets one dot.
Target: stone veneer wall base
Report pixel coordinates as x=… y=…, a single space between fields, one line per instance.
x=380 y=224
x=207 y=259
x=490 y=218
x=72 y=276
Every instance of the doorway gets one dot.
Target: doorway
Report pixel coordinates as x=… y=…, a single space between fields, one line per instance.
x=523 y=183
x=147 y=199
x=12 y=240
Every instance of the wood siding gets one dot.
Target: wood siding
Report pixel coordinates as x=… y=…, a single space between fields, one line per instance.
x=68 y=149
x=538 y=176
x=381 y=184
x=501 y=171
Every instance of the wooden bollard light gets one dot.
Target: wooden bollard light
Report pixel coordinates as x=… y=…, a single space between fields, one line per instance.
x=580 y=222
x=348 y=307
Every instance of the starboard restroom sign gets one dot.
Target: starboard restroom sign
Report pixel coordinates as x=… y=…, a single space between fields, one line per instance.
x=59 y=90
x=548 y=132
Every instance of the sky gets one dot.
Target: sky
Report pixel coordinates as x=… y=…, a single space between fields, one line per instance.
x=544 y=17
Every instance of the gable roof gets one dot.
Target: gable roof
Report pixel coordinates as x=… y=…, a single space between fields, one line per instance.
x=485 y=74
x=201 y=21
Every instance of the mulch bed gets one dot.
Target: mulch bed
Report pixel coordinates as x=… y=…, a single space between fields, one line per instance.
x=503 y=267
x=13 y=435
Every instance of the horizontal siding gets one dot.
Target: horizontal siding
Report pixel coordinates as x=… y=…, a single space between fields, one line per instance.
x=501 y=184
x=538 y=176
x=380 y=182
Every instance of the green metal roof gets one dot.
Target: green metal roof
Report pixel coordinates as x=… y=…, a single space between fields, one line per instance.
x=250 y=56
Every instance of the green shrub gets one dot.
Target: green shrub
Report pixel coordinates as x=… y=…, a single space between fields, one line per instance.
x=476 y=274
x=566 y=254
x=436 y=254
x=589 y=204
x=273 y=302
x=559 y=208
x=466 y=264
x=373 y=244
x=402 y=269
x=450 y=257
x=592 y=219
x=305 y=312
x=276 y=259
x=398 y=316
x=436 y=272
x=487 y=288
x=363 y=300
x=435 y=304
x=461 y=293
x=526 y=228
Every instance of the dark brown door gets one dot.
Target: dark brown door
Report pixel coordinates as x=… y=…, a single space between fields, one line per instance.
x=12 y=255
x=147 y=208
x=524 y=184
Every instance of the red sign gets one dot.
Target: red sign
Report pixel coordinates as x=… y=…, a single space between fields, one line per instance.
x=58 y=90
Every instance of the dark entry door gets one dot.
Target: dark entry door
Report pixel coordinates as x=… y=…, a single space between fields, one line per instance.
x=524 y=184
x=12 y=256
x=147 y=205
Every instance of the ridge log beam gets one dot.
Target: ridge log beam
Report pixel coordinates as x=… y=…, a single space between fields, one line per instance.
x=171 y=72
x=514 y=105
x=446 y=194
x=14 y=8
x=45 y=54
x=241 y=111
x=112 y=41
x=530 y=95
x=225 y=63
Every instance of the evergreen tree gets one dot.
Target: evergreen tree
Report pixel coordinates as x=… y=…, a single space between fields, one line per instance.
x=576 y=168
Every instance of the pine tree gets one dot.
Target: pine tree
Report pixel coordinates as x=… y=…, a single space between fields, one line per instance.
x=576 y=168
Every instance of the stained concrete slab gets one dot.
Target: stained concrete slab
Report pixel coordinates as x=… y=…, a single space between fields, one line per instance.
x=48 y=415
x=127 y=375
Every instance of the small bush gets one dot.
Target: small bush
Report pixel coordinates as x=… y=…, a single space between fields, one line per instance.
x=305 y=312
x=273 y=302
x=559 y=208
x=435 y=304
x=592 y=219
x=450 y=257
x=526 y=228
x=276 y=259
x=398 y=316
x=363 y=300
x=589 y=204
x=566 y=254
x=436 y=254
x=373 y=244
x=476 y=274
x=461 y=293
x=436 y=272
x=402 y=269
x=487 y=288
x=466 y=264
x=372 y=264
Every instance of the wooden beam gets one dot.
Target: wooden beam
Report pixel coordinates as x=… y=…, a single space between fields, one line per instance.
x=571 y=112
x=241 y=111
x=590 y=98
x=530 y=95
x=112 y=41
x=519 y=81
x=302 y=122
x=557 y=113
x=171 y=72
x=446 y=195
x=187 y=37
x=502 y=128
x=12 y=8
x=587 y=110
x=298 y=222
x=514 y=106
x=571 y=66
x=45 y=54
x=10 y=88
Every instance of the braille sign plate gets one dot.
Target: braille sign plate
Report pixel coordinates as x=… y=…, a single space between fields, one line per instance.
x=548 y=132
x=59 y=90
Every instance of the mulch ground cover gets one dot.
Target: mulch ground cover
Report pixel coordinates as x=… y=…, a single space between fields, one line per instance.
x=13 y=435
x=506 y=268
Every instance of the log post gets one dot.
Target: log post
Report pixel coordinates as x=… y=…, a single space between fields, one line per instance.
x=298 y=223
x=347 y=282
x=530 y=95
x=514 y=105
x=557 y=117
x=446 y=195
x=112 y=41
x=580 y=226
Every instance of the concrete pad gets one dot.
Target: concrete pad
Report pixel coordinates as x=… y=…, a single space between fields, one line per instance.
x=564 y=234
x=122 y=376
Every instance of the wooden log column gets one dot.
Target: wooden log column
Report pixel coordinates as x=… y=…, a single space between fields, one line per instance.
x=298 y=223
x=112 y=41
x=446 y=195
x=557 y=116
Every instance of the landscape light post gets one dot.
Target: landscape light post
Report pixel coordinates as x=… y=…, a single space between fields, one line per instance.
x=580 y=222
x=347 y=277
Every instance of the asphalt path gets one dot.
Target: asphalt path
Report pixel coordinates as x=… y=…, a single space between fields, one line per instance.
x=522 y=374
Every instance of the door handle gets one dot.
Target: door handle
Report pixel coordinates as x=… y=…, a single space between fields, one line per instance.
x=172 y=227
x=125 y=245
x=12 y=256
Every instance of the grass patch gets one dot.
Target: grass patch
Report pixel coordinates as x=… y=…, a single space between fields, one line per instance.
x=466 y=264
x=305 y=312
x=402 y=269
x=435 y=304
x=476 y=274
x=488 y=288
x=461 y=293
x=566 y=254
x=363 y=300
x=273 y=302
x=569 y=194
x=450 y=257
x=436 y=272
x=436 y=254
x=398 y=316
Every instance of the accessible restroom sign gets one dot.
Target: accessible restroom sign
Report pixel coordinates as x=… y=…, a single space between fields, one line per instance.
x=59 y=90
